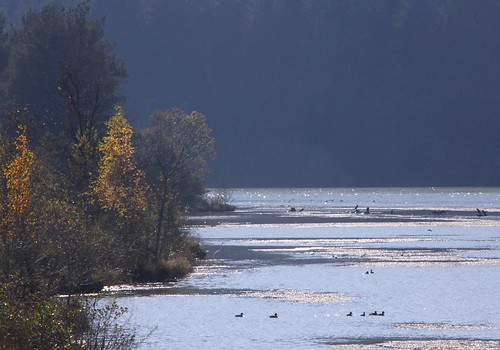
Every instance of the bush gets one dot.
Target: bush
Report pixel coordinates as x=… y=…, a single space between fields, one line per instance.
x=33 y=321
x=105 y=329
x=163 y=270
x=215 y=201
x=195 y=249
x=178 y=267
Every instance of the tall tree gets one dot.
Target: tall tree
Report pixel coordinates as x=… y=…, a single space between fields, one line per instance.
x=16 y=214
x=4 y=55
x=62 y=67
x=175 y=150
x=179 y=145
x=63 y=70
x=119 y=187
x=3 y=42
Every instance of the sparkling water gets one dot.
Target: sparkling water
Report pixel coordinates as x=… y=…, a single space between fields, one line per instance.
x=424 y=257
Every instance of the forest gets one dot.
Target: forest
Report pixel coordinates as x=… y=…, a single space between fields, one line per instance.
x=324 y=93
x=320 y=92
x=104 y=150
x=86 y=200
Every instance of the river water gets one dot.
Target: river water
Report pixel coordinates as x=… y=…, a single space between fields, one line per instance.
x=427 y=258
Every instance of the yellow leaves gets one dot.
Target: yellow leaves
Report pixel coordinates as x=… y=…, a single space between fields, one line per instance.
x=18 y=218
x=119 y=186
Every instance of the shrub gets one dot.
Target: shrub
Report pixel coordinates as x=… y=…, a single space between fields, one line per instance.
x=33 y=321
x=163 y=270
x=195 y=249
x=106 y=328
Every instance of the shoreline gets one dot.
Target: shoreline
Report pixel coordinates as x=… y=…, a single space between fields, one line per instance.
x=344 y=215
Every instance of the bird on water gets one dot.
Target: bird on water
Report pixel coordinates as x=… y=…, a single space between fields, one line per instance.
x=215 y=255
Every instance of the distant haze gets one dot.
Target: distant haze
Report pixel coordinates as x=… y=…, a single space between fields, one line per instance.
x=323 y=93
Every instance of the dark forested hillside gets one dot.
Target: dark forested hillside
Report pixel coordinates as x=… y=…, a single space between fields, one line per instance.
x=322 y=93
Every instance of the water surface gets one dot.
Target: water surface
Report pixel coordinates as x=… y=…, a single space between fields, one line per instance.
x=435 y=276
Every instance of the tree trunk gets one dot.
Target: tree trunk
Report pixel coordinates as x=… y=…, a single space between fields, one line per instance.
x=159 y=227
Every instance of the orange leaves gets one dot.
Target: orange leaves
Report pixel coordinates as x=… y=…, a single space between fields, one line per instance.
x=17 y=217
x=119 y=187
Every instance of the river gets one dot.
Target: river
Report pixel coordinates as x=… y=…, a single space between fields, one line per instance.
x=429 y=259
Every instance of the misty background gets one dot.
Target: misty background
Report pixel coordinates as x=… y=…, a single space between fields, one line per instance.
x=320 y=92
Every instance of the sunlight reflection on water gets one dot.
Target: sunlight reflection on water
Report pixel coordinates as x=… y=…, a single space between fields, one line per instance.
x=436 y=278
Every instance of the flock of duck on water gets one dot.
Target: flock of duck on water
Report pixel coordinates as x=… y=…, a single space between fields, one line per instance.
x=375 y=313
x=275 y=315
x=480 y=212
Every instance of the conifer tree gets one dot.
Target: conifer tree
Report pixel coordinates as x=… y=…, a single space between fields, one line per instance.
x=17 y=218
x=119 y=187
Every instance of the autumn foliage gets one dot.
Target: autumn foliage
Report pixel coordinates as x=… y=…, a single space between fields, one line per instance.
x=119 y=187
x=17 y=218
x=76 y=210
x=59 y=239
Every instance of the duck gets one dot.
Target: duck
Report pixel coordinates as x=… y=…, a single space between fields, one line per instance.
x=274 y=316
x=349 y=314
x=377 y=314
x=240 y=315
x=363 y=314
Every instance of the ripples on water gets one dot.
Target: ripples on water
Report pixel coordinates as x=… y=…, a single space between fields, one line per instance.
x=386 y=198
x=300 y=296
x=435 y=276
x=434 y=344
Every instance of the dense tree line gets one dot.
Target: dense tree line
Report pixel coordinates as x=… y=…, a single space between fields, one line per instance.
x=85 y=200
x=320 y=93
x=324 y=92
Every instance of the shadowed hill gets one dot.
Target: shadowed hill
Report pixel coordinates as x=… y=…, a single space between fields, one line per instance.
x=323 y=93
